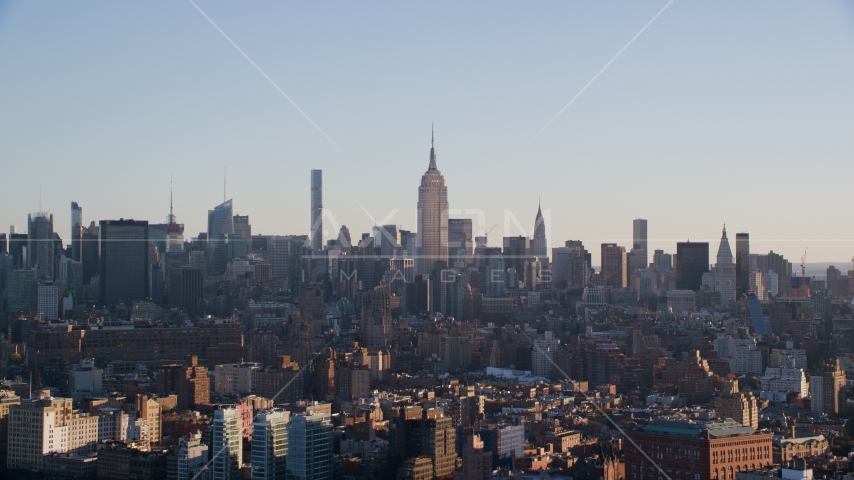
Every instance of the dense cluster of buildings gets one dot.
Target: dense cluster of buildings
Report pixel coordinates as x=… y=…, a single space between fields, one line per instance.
x=132 y=352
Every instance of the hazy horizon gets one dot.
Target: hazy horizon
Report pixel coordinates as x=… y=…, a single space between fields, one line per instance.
x=705 y=119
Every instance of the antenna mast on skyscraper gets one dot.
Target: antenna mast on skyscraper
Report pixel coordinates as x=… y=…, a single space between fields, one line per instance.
x=171 y=219
x=224 y=177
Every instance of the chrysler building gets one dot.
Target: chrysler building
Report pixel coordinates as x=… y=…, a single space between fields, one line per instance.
x=539 y=246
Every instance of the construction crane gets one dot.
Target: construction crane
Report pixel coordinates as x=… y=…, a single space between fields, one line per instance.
x=804 y=264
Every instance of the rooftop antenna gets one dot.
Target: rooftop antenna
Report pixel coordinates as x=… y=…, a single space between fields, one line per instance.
x=224 y=177
x=171 y=215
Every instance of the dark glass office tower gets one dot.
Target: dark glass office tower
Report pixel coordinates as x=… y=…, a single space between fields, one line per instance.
x=17 y=247
x=640 y=239
x=40 y=245
x=220 y=224
x=123 y=246
x=742 y=264
x=89 y=252
x=460 y=240
x=76 y=230
x=517 y=250
x=692 y=261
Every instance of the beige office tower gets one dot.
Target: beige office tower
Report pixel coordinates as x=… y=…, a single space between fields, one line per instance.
x=150 y=410
x=614 y=266
x=7 y=399
x=742 y=407
x=827 y=389
x=44 y=425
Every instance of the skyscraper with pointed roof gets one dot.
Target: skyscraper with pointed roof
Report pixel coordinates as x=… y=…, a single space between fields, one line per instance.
x=174 y=230
x=722 y=276
x=432 y=213
x=539 y=246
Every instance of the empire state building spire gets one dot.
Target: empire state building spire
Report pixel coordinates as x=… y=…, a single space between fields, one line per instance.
x=432 y=151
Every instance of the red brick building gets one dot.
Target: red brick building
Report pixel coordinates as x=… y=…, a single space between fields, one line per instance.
x=189 y=382
x=689 y=449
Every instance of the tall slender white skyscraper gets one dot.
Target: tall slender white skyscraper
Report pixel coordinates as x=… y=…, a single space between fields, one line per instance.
x=432 y=237
x=316 y=210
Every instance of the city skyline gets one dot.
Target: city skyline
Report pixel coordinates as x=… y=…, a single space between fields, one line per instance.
x=92 y=123
x=619 y=258
x=510 y=227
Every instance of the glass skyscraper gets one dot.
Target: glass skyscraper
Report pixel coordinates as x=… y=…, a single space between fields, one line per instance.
x=227 y=444
x=639 y=238
x=40 y=245
x=310 y=447
x=76 y=230
x=123 y=246
x=692 y=261
x=220 y=224
x=270 y=445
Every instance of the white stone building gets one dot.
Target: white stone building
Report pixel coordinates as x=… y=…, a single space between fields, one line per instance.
x=779 y=382
x=741 y=353
x=47 y=425
x=779 y=356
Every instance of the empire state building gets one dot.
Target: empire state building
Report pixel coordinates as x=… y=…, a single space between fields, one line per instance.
x=432 y=217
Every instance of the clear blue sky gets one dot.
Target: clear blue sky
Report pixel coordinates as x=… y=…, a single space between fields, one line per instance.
x=736 y=112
